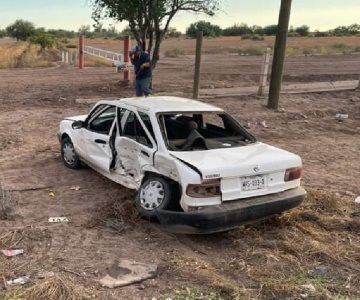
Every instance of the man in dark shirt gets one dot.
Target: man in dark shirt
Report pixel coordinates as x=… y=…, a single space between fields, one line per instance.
x=142 y=64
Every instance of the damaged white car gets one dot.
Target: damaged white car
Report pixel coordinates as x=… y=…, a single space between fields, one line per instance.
x=195 y=168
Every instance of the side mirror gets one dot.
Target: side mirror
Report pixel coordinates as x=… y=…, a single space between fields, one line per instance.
x=78 y=124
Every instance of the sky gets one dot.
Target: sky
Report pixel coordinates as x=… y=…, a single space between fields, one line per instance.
x=71 y=14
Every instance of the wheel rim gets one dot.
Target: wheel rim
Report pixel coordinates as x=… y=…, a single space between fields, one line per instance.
x=69 y=153
x=152 y=195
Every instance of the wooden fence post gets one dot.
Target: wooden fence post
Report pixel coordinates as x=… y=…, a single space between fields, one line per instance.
x=199 y=39
x=127 y=45
x=81 y=51
x=264 y=72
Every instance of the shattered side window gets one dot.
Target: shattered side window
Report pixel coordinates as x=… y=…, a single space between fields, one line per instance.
x=185 y=131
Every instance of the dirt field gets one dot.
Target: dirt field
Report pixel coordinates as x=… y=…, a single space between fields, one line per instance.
x=311 y=252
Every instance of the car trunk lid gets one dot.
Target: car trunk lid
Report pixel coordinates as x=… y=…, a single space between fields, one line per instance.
x=248 y=171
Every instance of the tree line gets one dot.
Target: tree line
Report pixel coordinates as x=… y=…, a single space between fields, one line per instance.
x=212 y=30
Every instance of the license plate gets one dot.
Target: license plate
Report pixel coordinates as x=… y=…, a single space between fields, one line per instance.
x=253 y=183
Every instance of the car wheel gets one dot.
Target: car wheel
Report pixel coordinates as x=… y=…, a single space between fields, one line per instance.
x=155 y=193
x=68 y=155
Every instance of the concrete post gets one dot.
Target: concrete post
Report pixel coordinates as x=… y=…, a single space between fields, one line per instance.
x=264 y=72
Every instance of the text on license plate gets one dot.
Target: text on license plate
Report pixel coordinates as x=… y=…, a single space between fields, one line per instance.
x=252 y=183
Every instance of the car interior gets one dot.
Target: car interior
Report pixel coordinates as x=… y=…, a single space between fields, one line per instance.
x=202 y=131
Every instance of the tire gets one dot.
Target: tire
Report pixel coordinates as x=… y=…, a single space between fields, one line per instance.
x=155 y=193
x=68 y=155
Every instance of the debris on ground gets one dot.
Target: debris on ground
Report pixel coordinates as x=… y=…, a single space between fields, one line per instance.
x=318 y=270
x=128 y=272
x=263 y=124
x=341 y=117
x=357 y=200
x=21 y=280
x=75 y=188
x=11 y=253
x=308 y=291
x=58 y=219
x=52 y=194
x=43 y=274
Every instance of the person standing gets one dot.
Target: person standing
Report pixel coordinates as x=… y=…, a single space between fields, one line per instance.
x=141 y=61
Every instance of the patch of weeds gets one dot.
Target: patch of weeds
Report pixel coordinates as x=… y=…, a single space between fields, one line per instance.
x=250 y=51
x=118 y=214
x=175 y=52
x=190 y=293
x=55 y=288
x=7 y=203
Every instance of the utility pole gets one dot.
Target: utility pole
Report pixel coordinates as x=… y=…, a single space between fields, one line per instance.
x=199 y=39
x=279 y=54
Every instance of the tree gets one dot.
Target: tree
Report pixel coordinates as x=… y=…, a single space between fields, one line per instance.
x=270 y=30
x=237 y=30
x=21 y=30
x=302 y=30
x=173 y=33
x=2 y=33
x=207 y=28
x=149 y=20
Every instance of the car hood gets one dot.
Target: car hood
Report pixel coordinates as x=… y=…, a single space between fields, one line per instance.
x=247 y=160
x=76 y=118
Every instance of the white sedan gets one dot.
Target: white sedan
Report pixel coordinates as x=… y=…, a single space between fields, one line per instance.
x=195 y=168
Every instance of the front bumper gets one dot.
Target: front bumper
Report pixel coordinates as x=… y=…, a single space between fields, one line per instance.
x=59 y=136
x=230 y=214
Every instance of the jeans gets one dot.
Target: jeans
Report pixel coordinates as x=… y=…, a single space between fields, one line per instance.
x=142 y=87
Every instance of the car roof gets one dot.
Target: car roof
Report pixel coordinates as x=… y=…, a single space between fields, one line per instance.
x=164 y=104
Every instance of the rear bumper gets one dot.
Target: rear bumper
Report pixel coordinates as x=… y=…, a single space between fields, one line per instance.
x=231 y=214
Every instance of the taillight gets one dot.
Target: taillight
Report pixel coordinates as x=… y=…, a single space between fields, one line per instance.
x=293 y=174
x=207 y=189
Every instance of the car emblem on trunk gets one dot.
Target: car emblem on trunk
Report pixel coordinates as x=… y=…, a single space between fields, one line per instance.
x=256 y=168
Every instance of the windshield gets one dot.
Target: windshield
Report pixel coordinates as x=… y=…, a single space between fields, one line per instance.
x=202 y=131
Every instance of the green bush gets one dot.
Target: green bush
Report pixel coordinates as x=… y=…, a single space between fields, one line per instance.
x=303 y=30
x=71 y=46
x=270 y=30
x=208 y=29
x=237 y=30
x=173 y=33
x=43 y=39
x=2 y=33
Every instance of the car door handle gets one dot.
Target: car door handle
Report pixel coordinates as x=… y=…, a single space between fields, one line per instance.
x=145 y=153
x=98 y=141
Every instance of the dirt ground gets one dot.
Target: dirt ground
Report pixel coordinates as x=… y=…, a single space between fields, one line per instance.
x=310 y=252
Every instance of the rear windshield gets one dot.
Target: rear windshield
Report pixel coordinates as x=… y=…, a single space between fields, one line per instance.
x=202 y=131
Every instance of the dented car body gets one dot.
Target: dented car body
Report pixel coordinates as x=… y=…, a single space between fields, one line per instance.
x=195 y=168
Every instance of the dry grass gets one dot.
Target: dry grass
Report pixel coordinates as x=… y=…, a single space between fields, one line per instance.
x=175 y=52
x=231 y=44
x=58 y=287
x=317 y=244
x=7 y=203
x=23 y=54
x=119 y=214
